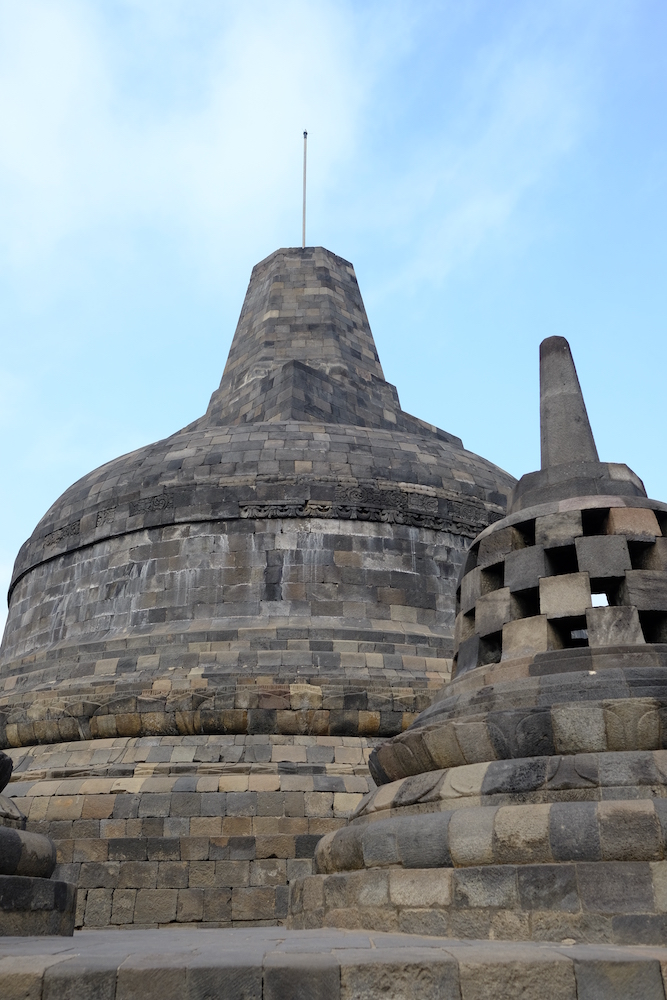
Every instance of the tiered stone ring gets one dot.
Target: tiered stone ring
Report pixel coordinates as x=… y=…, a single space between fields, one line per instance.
x=529 y=800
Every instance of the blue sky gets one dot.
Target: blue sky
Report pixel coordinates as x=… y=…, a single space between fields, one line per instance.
x=496 y=171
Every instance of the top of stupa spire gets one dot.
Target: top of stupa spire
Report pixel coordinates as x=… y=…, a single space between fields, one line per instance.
x=565 y=429
x=303 y=350
x=570 y=463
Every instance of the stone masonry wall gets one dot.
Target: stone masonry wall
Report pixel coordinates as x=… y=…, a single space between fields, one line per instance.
x=194 y=829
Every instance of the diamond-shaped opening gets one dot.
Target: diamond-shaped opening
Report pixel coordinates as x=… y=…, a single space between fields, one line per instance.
x=572 y=632
x=490 y=648
x=525 y=603
x=561 y=560
x=593 y=521
x=470 y=561
x=492 y=577
x=527 y=531
x=654 y=625
x=606 y=587
x=640 y=553
x=467 y=625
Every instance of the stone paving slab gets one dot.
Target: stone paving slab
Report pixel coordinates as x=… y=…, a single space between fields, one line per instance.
x=274 y=964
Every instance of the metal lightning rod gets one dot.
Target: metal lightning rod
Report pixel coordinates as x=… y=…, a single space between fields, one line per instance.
x=303 y=230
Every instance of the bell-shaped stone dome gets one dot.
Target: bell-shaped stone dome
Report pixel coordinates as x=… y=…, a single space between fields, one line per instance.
x=207 y=637
x=304 y=528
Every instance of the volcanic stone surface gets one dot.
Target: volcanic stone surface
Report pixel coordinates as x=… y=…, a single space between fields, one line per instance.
x=275 y=964
x=207 y=637
x=529 y=800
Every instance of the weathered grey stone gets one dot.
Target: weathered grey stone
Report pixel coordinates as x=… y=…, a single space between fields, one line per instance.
x=301 y=977
x=613 y=626
x=573 y=831
x=556 y=530
x=36 y=906
x=565 y=596
x=603 y=556
x=603 y=978
x=565 y=432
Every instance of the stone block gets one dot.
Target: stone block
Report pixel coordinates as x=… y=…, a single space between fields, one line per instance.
x=83 y=977
x=548 y=887
x=629 y=831
x=217 y=905
x=137 y=874
x=607 y=978
x=637 y=523
x=468 y=655
x=202 y=874
x=309 y=976
x=190 y=905
x=232 y=873
x=573 y=831
x=654 y=556
x=492 y=611
x=471 y=590
x=492 y=886
x=497 y=544
x=563 y=596
x=429 y=887
x=485 y=973
x=98 y=907
x=521 y=834
x=527 y=636
x=613 y=626
x=579 y=728
x=632 y=724
x=425 y=973
x=471 y=836
x=615 y=887
x=524 y=568
x=253 y=903
x=603 y=556
x=645 y=589
x=122 y=911
x=241 y=975
x=155 y=906
x=556 y=530
x=269 y=871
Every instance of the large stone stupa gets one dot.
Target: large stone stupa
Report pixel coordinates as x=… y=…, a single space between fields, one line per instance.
x=529 y=801
x=206 y=637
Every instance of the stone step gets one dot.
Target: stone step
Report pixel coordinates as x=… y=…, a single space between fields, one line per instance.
x=274 y=964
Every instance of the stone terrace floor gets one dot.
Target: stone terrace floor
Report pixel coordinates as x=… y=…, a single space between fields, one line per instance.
x=276 y=964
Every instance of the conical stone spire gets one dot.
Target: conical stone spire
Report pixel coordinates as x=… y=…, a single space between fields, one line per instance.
x=570 y=463
x=303 y=350
x=565 y=430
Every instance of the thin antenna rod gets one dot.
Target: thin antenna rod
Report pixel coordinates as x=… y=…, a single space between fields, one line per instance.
x=303 y=230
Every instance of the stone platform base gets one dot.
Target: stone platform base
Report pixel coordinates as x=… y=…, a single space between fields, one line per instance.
x=35 y=906
x=188 y=829
x=274 y=964
x=614 y=902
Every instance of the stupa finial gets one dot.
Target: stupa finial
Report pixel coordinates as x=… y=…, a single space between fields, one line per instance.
x=565 y=431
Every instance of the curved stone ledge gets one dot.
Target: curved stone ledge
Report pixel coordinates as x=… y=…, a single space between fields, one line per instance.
x=26 y=853
x=586 y=776
x=547 y=832
x=566 y=727
x=36 y=906
x=615 y=902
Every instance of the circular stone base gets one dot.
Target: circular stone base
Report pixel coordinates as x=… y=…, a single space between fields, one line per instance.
x=30 y=906
x=615 y=902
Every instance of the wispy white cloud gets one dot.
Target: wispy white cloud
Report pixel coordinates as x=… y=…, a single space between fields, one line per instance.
x=79 y=148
